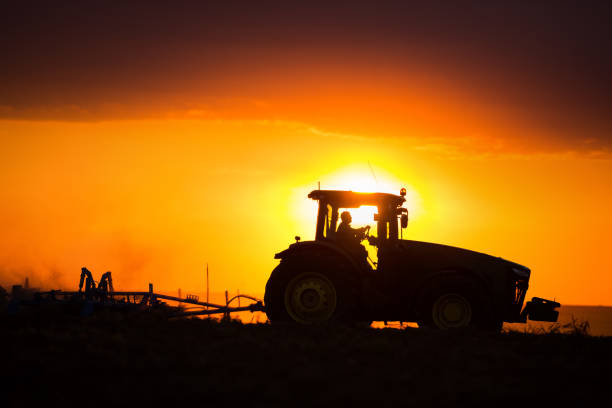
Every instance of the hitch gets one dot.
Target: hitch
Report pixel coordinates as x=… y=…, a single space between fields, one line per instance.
x=541 y=310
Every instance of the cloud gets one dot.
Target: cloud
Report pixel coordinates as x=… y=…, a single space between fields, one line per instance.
x=541 y=69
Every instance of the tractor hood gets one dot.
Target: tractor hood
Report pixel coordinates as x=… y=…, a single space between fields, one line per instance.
x=438 y=256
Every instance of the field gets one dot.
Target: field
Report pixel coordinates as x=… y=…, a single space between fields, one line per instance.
x=120 y=360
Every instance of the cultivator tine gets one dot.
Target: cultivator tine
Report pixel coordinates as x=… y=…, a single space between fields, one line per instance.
x=92 y=297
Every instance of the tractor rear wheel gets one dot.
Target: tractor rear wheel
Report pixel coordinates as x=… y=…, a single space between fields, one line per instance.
x=310 y=293
x=311 y=297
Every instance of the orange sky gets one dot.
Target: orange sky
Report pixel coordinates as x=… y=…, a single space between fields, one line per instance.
x=150 y=139
x=157 y=200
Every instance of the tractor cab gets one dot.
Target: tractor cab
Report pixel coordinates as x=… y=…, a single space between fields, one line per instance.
x=389 y=208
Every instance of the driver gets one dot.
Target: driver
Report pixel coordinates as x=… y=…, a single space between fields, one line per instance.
x=348 y=235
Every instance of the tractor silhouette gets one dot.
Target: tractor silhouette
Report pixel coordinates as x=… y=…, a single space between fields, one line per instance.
x=443 y=287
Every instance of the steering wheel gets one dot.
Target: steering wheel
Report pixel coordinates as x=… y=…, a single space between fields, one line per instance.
x=371 y=238
x=366 y=232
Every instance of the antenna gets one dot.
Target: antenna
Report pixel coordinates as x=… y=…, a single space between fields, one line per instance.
x=319 y=185
x=373 y=175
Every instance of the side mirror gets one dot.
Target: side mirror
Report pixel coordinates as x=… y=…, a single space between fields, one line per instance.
x=404 y=220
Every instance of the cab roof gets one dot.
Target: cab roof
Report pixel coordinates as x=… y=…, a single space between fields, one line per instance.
x=350 y=199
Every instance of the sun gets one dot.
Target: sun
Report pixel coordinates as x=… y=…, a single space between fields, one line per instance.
x=368 y=179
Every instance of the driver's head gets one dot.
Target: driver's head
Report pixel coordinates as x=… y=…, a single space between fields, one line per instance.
x=346 y=217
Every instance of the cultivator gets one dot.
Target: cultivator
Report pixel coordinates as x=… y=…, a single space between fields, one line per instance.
x=92 y=297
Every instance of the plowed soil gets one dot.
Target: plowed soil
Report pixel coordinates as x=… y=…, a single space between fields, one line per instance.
x=117 y=360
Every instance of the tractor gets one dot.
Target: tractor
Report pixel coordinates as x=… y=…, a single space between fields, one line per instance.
x=326 y=281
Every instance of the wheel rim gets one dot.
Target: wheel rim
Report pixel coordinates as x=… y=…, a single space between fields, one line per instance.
x=310 y=298
x=452 y=311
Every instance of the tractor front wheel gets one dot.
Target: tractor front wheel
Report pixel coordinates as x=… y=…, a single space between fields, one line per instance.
x=456 y=302
x=451 y=310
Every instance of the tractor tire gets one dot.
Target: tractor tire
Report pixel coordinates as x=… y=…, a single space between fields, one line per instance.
x=456 y=302
x=312 y=292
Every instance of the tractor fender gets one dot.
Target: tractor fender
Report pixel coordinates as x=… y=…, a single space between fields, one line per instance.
x=318 y=246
